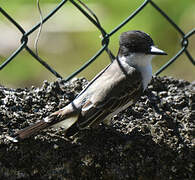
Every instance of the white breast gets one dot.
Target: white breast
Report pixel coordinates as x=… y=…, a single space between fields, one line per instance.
x=146 y=75
x=143 y=63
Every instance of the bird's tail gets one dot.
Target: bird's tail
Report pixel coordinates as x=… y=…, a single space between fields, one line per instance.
x=31 y=130
x=62 y=118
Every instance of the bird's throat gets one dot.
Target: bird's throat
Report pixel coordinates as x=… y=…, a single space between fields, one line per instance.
x=142 y=63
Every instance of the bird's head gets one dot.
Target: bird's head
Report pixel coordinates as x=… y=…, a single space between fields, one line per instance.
x=137 y=42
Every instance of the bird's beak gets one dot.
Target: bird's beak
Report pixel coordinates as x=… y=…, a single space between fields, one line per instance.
x=154 y=50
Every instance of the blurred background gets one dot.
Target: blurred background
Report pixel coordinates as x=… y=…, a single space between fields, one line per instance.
x=68 y=39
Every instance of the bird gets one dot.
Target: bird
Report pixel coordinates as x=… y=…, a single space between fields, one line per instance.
x=118 y=86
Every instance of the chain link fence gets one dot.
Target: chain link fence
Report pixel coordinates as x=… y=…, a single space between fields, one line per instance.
x=91 y=16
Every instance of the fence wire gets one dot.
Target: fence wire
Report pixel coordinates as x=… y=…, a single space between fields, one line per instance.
x=91 y=16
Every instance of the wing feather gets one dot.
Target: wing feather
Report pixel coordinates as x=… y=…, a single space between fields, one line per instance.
x=118 y=89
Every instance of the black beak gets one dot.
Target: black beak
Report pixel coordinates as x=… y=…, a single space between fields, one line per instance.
x=154 y=50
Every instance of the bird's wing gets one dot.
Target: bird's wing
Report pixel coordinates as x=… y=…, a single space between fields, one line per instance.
x=111 y=91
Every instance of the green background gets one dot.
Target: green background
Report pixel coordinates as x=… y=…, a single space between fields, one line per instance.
x=68 y=39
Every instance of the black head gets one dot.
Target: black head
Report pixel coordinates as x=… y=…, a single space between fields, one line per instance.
x=137 y=42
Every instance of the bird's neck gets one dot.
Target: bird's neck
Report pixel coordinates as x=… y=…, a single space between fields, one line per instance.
x=142 y=63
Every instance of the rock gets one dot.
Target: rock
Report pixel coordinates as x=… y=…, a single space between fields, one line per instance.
x=153 y=139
